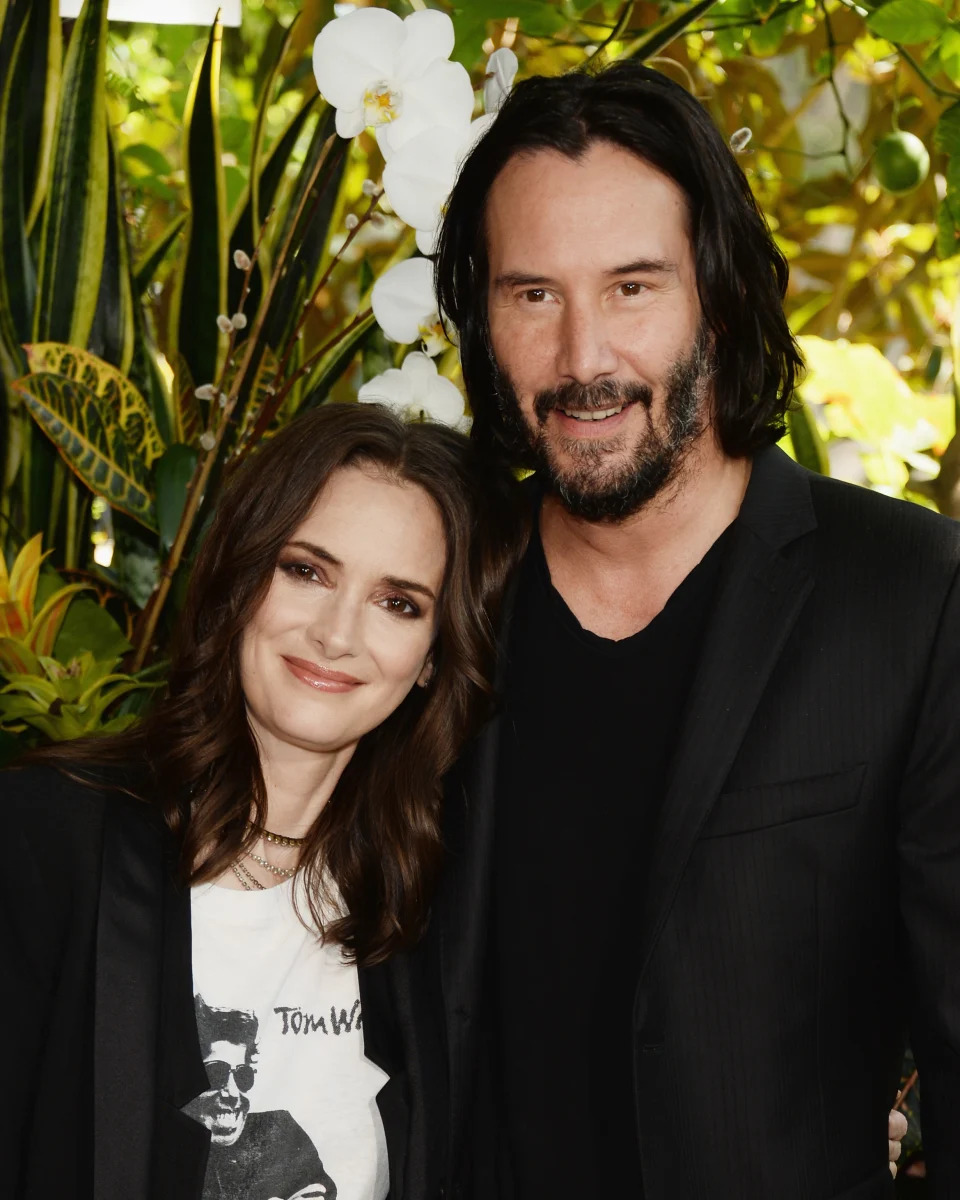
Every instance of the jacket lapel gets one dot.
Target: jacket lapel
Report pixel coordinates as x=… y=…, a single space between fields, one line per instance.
x=760 y=594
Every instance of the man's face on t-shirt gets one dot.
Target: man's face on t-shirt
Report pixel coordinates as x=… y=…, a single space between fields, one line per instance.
x=223 y=1109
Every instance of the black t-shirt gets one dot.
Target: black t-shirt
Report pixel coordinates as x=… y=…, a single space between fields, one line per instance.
x=588 y=731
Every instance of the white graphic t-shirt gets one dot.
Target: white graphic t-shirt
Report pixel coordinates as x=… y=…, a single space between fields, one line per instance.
x=291 y=1106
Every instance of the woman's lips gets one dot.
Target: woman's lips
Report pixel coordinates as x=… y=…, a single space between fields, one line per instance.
x=320 y=678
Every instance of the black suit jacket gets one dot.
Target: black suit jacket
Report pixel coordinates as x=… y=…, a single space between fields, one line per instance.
x=96 y=1007
x=805 y=883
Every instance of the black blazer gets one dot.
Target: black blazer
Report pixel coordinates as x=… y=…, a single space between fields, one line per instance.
x=101 y=1046
x=805 y=882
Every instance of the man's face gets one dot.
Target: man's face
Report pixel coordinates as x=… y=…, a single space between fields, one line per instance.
x=595 y=323
x=224 y=1106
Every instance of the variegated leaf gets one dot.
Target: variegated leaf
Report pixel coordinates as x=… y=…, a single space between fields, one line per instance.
x=121 y=402
x=25 y=573
x=46 y=625
x=78 y=421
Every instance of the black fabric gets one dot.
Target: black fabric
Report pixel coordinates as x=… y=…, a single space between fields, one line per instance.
x=97 y=1007
x=803 y=898
x=570 y=847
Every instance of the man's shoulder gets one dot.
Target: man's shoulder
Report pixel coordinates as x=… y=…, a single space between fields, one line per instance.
x=869 y=525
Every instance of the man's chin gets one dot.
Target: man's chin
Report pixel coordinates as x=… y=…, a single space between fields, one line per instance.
x=227 y=1127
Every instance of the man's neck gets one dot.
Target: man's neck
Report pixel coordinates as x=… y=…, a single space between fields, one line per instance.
x=616 y=578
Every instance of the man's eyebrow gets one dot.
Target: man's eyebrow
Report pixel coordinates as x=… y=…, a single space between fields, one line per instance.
x=645 y=266
x=404 y=585
x=639 y=266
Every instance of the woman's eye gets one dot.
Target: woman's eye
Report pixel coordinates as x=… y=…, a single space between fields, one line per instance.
x=301 y=570
x=400 y=606
x=535 y=295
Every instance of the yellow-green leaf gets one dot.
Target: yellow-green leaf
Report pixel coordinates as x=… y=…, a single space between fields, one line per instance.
x=118 y=397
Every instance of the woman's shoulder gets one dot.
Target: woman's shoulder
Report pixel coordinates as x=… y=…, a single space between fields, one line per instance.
x=66 y=805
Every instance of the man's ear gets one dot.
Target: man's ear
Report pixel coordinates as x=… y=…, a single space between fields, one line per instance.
x=426 y=672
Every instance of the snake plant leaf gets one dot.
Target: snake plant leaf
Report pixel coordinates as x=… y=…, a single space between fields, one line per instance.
x=112 y=333
x=270 y=177
x=662 y=33
x=98 y=421
x=807 y=440
x=17 y=274
x=201 y=291
x=40 y=103
x=75 y=211
x=329 y=369
x=155 y=253
x=312 y=229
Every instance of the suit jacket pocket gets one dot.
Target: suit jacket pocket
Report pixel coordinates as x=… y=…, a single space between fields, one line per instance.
x=770 y=804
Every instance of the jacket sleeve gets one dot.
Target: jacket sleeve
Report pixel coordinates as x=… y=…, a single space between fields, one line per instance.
x=929 y=854
x=50 y=874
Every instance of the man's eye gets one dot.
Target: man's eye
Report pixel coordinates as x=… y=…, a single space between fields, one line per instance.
x=631 y=288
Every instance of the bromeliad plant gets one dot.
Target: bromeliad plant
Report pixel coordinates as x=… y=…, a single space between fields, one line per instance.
x=41 y=694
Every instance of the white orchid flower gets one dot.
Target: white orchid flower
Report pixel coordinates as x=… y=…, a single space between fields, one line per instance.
x=378 y=70
x=419 y=178
x=405 y=305
x=417 y=392
x=498 y=78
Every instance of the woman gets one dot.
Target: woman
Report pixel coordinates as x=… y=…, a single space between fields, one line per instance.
x=209 y=919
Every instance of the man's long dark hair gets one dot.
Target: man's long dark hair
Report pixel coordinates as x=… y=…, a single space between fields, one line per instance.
x=741 y=275
x=378 y=837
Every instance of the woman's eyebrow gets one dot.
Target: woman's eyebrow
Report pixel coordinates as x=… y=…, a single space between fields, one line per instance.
x=394 y=581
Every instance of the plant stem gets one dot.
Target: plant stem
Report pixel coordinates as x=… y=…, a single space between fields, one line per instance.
x=269 y=411
x=56 y=498
x=72 y=532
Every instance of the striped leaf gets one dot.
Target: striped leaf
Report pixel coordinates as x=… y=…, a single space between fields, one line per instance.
x=112 y=334
x=662 y=33
x=155 y=253
x=40 y=103
x=101 y=426
x=121 y=401
x=17 y=277
x=75 y=211
x=201 y=291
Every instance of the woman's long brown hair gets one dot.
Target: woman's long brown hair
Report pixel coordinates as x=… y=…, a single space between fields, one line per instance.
x=378 y=838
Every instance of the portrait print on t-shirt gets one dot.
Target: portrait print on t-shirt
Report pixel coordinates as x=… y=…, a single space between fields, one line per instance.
x=253 y=1155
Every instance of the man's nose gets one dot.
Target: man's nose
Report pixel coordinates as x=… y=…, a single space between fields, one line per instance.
x=334 y=624
x=585 y=353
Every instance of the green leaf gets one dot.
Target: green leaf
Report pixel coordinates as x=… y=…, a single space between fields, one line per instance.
x=75 y=213
x=40 y=103
x=88 y=626
x=326 y=373
x=174 y=472
x=470 y=21
x=946 y=136
x=155 y=253
x=112 y=333
x=17 y=276
x=908 y=21
x=201 y=291
x=99 y=423
x=808 y=444
x=661 y=34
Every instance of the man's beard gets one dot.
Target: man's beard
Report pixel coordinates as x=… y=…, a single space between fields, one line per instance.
x=584 y=488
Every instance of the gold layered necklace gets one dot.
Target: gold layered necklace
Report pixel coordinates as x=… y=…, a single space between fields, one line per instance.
x=246 y=878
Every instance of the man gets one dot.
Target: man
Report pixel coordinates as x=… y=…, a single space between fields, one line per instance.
x=728 y=764
x=253 y=1156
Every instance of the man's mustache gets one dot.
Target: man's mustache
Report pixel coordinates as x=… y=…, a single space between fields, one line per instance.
x=584 y=397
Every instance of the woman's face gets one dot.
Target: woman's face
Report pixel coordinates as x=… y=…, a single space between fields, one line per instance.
x=345 y=630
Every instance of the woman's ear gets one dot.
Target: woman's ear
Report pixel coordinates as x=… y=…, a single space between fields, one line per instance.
x=426 y=673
